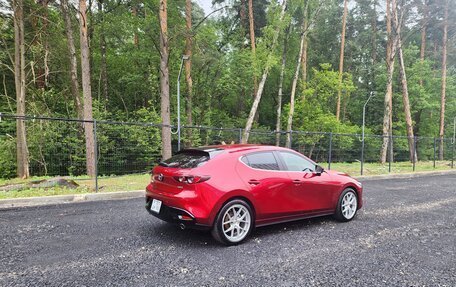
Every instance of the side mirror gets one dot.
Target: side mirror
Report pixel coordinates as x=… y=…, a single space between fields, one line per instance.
x=319 y=170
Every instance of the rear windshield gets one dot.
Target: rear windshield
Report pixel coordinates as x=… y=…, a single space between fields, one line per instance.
x=190 y=158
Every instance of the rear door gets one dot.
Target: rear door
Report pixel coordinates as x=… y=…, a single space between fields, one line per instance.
x=270 y=186
x=313 y=192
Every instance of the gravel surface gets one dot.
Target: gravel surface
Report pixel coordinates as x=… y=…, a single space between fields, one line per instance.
x=404 y=236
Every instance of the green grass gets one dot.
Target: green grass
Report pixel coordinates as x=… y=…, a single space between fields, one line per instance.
x=140 y=181
x=86 y=185
x=43 y=192
x=354 y=169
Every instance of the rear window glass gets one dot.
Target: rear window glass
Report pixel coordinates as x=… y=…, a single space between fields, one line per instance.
x=261 y=160
x=190 y=158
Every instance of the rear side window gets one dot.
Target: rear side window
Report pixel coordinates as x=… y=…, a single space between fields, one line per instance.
x=261 y=160
x=190 y=158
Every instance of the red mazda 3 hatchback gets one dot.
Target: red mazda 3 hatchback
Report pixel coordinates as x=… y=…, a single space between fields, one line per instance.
x=230 y=189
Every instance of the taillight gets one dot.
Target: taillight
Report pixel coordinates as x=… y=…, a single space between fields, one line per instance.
x=191 y=179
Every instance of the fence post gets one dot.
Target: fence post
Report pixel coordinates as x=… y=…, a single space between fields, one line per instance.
x=240 y=135
x=330 y=150
x=434 y=149
x=414 y=153
x=291 y=139
x=362 y=154
x=95 y=143
x=390 y=152
x=452 y=153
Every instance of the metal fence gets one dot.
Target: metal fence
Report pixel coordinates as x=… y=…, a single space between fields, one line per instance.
x=57 y=147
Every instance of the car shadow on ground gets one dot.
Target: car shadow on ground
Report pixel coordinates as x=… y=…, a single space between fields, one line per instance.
x=295 y=225
x=158 y=231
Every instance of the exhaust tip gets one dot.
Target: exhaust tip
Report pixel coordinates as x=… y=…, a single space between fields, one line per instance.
x=182 y=226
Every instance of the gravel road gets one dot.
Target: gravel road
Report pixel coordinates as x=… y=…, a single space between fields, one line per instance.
x=404 y=236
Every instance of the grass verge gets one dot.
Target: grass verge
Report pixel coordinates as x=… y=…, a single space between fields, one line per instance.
x=140 y=181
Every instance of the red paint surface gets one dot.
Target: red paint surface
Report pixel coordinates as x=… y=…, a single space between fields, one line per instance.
x=275 y=196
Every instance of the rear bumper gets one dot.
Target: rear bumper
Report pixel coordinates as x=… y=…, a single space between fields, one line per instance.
x=176 y=216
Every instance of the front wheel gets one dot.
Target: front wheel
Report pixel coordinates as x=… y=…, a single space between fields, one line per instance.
x=233 y=223
x=347 y=205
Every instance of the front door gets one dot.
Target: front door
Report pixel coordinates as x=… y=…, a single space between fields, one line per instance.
x=311 y=190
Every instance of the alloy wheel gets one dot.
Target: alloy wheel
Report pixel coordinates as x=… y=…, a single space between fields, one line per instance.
x=236 y=223
x=349 y=205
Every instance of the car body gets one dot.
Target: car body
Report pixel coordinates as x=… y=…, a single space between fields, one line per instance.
x=267 y=184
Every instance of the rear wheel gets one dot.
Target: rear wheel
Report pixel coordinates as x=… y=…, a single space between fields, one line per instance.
x=233 y=223
x=347 y=205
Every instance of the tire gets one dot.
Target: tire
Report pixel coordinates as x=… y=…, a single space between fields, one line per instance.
x=347 y=205
x=229 y=232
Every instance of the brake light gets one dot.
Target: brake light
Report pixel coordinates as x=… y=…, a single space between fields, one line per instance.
x=191 y=179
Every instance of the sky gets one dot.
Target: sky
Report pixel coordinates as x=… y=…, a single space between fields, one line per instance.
x=206 y=5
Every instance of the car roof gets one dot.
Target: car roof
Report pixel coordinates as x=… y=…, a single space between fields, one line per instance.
x=240 y=147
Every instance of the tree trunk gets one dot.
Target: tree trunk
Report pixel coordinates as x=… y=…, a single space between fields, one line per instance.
x=293 y=87
x=43 y=68
x=256 y=101
x=341 y=60
x=19 y=78
x=405 y=94
x=164 y=80
x=103 y=66
x=388 y=104
x=304 y=51
x=86 y=90
x=72 y=58
x=188 y=68
x=423 y=35
x=444 y=72
x=242 y=16
x=252 y=43
x=372 y=76
x=252 y=33
x=279 y=95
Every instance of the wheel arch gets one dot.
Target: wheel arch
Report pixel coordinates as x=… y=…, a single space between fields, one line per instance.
x=238 y=194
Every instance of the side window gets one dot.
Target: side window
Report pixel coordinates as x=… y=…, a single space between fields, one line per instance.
x=294 y=162
x=261 y=160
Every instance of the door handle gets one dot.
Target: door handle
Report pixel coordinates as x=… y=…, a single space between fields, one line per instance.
x=296 y=181
x=254 y=182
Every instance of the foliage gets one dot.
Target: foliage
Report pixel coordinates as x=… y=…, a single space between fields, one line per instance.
x=222 y=72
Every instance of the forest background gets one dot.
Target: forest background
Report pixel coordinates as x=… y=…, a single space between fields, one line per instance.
x=301 y=65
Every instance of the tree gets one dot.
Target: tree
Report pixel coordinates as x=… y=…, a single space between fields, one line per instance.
x=444 y=78
x=40 y=44
x=72 y=58
x=304 y=51
x=391 y=46
x=341 y=59
x=188 y=66
x=19 y=77
x=253 y=46
x=423 y=33
x=295 y=80
x=86 y=90
x=103 y=66
x=280 y=94
x=256 y=101
x=405 y=93
x=164 y=80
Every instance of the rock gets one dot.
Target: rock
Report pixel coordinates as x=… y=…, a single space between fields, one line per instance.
x=44 y=183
